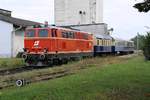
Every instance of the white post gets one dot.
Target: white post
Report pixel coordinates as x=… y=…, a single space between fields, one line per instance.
x=137 y=42
x=12 y=44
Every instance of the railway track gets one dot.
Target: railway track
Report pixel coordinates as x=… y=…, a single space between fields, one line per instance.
x=38 y=78
x=15 y=70
x=19 y=70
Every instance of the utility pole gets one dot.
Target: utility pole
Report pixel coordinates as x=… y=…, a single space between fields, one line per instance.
x=137 y=42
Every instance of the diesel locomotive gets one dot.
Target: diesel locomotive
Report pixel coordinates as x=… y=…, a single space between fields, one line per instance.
x=45 y=46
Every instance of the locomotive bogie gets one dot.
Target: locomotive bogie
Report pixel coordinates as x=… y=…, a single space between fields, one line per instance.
x=54 y=59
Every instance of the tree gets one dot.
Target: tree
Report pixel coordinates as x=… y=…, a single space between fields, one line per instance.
x=147 y=46
x=140 y=40
x=143 y=6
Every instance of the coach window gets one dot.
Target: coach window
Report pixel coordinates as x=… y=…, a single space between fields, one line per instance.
x=30 y=33
x=106 y=42
x=43 y=33
x=100 y=42
x=97 y=42
x=103 y=43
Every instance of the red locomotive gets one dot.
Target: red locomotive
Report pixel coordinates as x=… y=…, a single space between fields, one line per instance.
x=46 y=46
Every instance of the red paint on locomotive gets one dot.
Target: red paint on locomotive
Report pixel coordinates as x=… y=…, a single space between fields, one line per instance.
x=57 y=40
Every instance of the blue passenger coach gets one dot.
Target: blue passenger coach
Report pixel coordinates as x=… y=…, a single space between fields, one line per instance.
x=103 y=44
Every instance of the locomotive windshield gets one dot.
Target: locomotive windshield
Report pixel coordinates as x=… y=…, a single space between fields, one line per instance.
x=43 y=33
x=30 y=33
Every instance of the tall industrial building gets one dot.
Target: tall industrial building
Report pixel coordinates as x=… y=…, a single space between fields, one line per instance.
x=77 y=12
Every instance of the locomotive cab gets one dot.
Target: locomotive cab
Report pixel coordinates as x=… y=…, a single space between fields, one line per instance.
x=37 y=40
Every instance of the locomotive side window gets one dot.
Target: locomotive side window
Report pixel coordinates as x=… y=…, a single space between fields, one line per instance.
x=30 y=33
x=43 y=33
x=68 y=35
x=71 y=35
x=85 y=36
x=64 y=34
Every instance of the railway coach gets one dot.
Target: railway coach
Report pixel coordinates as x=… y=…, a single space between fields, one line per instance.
x=103 y=44
x=123 y=47
x=52 y=45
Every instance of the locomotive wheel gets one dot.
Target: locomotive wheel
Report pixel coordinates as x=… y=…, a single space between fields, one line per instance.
x=24 y=56
x=65 y=61
x=56 y=61
x=42 y=57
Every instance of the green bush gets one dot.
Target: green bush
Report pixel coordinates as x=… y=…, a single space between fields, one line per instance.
x=4 y=63
x=146 y=48
x=8 y=63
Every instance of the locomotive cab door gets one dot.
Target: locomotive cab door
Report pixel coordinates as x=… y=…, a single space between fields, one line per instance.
x=54 y=41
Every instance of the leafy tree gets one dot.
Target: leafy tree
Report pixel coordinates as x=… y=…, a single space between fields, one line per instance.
x=147 y=46
x=140 y=41
x=143 y=6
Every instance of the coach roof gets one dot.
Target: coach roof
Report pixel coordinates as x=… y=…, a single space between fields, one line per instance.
x=103 y=36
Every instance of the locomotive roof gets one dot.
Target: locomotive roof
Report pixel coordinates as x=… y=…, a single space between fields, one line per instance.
x=103 y=36
x=62 y=28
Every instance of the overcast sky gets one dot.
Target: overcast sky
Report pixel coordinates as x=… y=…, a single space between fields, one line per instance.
x=118 y=14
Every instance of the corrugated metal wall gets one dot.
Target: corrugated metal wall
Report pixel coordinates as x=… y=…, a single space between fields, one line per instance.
x=93 y=28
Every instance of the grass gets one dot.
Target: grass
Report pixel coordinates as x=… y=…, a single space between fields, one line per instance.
x=72 y=67
x=128 y=80
x=9 y=63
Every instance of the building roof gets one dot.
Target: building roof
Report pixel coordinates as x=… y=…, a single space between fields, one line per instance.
x=83 y=25
x=17 y=21
x=5 y=10
x=103 y=36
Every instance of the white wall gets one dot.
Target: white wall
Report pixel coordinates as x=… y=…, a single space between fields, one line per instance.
x=18 y=42
x=94 y=29
x=5 y=38
x=67 y=12
x=99 y=11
